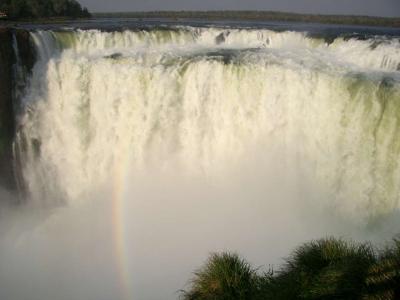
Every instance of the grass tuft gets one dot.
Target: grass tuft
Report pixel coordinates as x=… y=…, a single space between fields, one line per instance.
x=225 y=276
x=319 y=270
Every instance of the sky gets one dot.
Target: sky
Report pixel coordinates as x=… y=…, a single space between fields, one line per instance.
x=386 y=8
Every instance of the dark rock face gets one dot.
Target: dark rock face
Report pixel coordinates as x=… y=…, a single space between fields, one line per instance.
x=8 y=105
x=7 y=118
x=26 y=50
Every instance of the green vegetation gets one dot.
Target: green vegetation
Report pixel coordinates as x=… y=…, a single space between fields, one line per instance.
x=33 y=9
x=225 y=276
x=383 y=279
x=324 y=269
x=259 y=16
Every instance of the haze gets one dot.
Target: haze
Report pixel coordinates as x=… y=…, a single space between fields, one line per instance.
x=386 y=8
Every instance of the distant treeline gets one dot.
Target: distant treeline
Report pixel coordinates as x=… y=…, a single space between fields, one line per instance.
x=32 y=9
x=260 y=16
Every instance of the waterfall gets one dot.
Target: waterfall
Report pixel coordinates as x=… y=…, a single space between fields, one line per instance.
x=152 y=147
x=203 y=99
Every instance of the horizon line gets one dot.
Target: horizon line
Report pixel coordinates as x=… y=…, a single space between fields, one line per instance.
x=239 y=10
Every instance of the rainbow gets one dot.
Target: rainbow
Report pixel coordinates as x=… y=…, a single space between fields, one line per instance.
x=119 y=230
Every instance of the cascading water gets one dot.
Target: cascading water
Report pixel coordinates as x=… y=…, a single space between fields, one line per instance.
x=200 y=99
x=154 y=147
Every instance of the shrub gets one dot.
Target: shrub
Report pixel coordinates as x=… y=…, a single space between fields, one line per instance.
x=319 y=270
x=224 y=277
x=383 y=279
x=326 y=269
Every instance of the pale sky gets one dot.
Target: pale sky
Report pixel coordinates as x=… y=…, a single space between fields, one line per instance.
x=387 y=8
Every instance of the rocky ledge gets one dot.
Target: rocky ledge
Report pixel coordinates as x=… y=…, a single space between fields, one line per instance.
x=8 y=105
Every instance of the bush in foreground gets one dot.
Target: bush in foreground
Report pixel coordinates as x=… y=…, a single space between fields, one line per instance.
x=323 y=269
x=225 y=276
x=383 y=279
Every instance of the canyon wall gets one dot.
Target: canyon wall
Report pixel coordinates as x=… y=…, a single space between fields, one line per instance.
x=9 y=75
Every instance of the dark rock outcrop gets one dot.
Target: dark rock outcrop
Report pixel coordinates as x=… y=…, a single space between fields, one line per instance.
x=7 y=118
x=27 y=55
x=9 y=75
